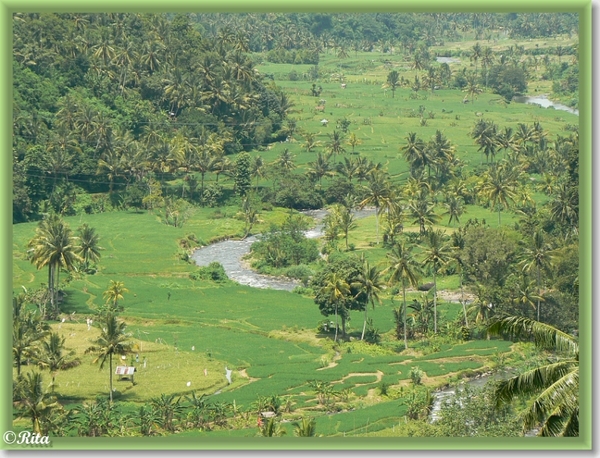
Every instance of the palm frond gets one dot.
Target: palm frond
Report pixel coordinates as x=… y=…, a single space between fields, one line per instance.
x=543 y=335
x=561 y=397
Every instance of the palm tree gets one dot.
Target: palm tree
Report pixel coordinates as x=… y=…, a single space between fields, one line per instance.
x=112 y=340
x=476 y=54
x=537 y=257
x=114 y=294
x=487 y=60
x=258 y=169
x=472 y=88
x=334 y=146
x=337 y=290
x=393 y=81
x=403 y=267
x=486 y=136
x=370 y=285
x=422 y=209
x=285 y=161
x=54 y=246
x=415 y=152
x=310 y=141
x=437 y=254
x=320 y=167
x=88 y=249
x=458 y=244
x=376 y=192
x=349 y=168
x=455 y=206
x=499 y=187
x=555 y=386
x=33 y=401
x=53 y=357
x=344 y=219
x=353 y=141
x=28 y=330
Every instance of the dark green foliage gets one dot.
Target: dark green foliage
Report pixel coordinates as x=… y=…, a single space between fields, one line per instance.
x=488 y=254
x=243 y=174
x=507 y=80
x=213 y=272
x=101 y=98
x=297 y=192
x=287 y=245
x=349 y=268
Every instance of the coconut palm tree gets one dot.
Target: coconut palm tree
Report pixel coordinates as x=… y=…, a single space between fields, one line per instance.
x=376 y=192
x=344 y=219
x=472 y=88
x=336 y=140
x=353 y=141
x=487 y=60
x=458 y=244
x=370 y=285
x=437 y=254
x=112 y=341
x=499 y=187
x=28 y=330
x=33 y=401
x=455 y=207
x=54 y=246
x=337 y=290
x=403 y=268
x=52 y=356
x=554 y=386
x=393 y=81
x=476 y=54
x=537 y=256
x=415 y=152
x=114 y=294
x=422 y=209
x=320 y=167
x=88 y=248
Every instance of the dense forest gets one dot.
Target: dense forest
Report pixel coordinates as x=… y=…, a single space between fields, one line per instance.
x=164 y=133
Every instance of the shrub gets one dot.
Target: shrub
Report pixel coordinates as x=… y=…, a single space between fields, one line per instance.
x=416 y=375
x=213 y=272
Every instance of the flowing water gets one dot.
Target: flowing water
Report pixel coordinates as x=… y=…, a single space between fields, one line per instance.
x=229 y=253
x=447 y=60
x=479 y=382
x=545 y=103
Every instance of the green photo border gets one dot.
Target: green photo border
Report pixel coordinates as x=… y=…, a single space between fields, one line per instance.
x=583 y=7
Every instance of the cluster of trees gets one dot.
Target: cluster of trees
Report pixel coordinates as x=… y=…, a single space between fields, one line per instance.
x=113 y=101
x=286 y=245
x=34 y=343
x=386 y=32
x=56 y=246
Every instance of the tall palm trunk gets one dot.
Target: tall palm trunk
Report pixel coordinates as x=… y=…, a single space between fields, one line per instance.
x=110 y=374
x=434 y=302
x=462 y=299
x=336 y=322
x=51 y=287
x=404 y=312
x=377 y=225
x=539 y=293
x=362 y=337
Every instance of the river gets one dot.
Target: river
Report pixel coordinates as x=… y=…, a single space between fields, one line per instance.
x=544 y=102
x=229 y=253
